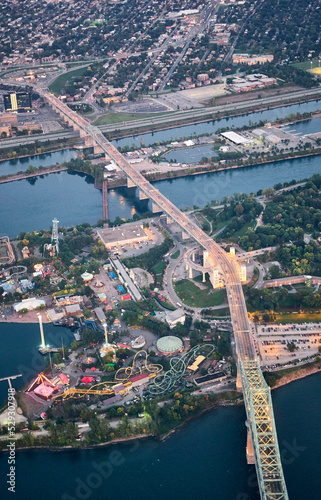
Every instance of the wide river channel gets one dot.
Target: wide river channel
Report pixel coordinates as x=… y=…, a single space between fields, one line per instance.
x=206 y=458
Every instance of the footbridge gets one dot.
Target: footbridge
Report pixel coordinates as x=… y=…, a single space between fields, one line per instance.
x=262 y=438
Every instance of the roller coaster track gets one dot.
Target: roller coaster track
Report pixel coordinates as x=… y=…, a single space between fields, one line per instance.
x=125 y=373
x=164 y=383
x=100 y=389
x=122 y=376
x=255 y=390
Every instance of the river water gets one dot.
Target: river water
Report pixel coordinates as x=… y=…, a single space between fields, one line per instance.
x=211 y=126
x=31 y=204
x=44 y=160
x=206 y=458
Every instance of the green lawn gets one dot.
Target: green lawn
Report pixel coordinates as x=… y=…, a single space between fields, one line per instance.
x=193 y=296
x=175 y=255
x=217 y=225
x=238 y=234
x=61 y=81
x=109 y=118
x=159 y=267
x=218 y=313
x=306 y=65
x=297 y=318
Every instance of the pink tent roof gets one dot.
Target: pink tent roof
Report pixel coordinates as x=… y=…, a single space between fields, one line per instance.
x=63 y=378
x=87 y=380
x=44 y=390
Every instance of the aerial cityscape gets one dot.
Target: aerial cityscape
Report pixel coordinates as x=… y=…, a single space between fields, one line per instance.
x=160 y=249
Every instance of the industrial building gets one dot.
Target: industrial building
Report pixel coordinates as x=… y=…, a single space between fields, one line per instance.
x=236 y=138
x=127 y=234
x=175 y=317
x=207 y=379
x=128 y=282
x=266 y=135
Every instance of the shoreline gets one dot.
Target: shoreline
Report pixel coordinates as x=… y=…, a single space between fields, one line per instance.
x=151 y=177
x=212 y=116
x=304 y=372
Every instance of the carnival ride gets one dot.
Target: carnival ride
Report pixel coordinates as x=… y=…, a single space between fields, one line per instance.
x=6 y=252
x=100 y=389
x=140 y=365
x=178 y=365
x=45 y=386
x=91 y=325
x=161 y=383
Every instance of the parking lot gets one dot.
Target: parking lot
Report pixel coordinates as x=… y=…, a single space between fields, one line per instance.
x=272 y=340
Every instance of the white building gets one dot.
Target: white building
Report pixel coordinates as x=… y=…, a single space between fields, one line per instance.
x=29 y=304
x=175 y=317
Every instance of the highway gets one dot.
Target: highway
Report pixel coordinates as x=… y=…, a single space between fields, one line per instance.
x=186 y=114
x=217 y=256
x=167 y=119
x=256 y=392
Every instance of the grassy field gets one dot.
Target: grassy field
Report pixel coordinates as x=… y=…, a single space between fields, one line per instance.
x=306 y=65
x=297 y=318
x=158 y=270
x=175 y=255
x=272 y=378
x=159 y=267
x=218 y=313
x=61 y=81
x=191 y=295
x=238 y=234
x=110 y=117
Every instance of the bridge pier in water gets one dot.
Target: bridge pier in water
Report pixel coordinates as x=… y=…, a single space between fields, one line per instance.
x=142 y=195
x=249 y=450
x=105 y=200
x=257 y=395
x=130 y=183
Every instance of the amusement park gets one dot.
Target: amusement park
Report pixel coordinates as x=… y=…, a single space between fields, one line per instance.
x=110 y=373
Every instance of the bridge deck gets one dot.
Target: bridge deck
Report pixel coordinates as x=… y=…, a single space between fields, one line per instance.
x=256 y=392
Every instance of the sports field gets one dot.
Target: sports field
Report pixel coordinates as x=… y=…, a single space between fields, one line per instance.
x=316 y=71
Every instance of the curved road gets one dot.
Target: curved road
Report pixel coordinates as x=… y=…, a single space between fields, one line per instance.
x=256 y=393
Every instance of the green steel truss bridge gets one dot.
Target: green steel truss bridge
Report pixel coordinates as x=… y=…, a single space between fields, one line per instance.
x=262 y=435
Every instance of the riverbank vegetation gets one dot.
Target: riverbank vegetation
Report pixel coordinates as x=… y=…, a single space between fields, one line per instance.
x=287 y=217
x=239 y=211
x=35 y=148
x=281 y=377
x=117 y=423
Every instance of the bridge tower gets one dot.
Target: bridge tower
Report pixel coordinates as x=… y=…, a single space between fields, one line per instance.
x=105 y=197
x=54 y=235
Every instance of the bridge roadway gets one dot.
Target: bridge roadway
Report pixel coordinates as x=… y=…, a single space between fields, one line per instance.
x=256 y=392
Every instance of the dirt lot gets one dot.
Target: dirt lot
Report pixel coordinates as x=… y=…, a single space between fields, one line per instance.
x=247 y=96
x=28 y=405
